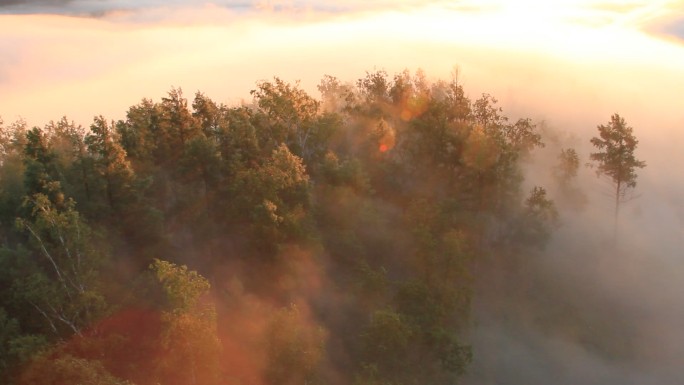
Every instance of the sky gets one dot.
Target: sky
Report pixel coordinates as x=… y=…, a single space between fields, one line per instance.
x=568 y=63
x=81 y=58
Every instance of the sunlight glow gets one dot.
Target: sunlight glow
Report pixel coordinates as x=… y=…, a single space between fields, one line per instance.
x=48 y=67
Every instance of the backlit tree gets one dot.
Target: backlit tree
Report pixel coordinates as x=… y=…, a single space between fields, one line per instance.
x=615 y=159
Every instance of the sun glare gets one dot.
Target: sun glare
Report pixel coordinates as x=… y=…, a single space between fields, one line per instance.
x=575 y=30
x=489 y=39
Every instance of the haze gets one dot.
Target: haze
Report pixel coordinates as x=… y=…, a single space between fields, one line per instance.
x=570 y=64
x=77 y=65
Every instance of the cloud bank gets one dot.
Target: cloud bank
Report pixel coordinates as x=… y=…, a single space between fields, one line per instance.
x=57 y=65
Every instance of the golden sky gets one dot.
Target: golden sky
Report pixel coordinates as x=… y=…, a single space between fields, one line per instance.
x=541 y=58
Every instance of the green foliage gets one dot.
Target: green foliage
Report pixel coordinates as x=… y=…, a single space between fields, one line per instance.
x=9 y=330
x=183 y=289
x=24 y=347
x=62 y=283
x=189 y=336
x=568 y=164
x=615 y=158
x=109 y=163
x=565 y=174
x=137 y=133
x=16 y=349
x=292 y=116
x=538 y=219
x=386 y=342
x=176 y=125
x=278 y=196
x=66 y=370
x=392 y=187
x=42 y=175
x=344 y=173
x=372 y=283
x=294 y=349
x=12 y=172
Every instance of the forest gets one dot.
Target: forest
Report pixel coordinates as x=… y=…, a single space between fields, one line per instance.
x=293 y=239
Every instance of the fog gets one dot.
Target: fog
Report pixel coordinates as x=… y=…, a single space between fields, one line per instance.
x=585 y=311
x=588 y=311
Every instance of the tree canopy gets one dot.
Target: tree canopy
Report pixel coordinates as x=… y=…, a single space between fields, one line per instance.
x=615 y=158
x=287 y=240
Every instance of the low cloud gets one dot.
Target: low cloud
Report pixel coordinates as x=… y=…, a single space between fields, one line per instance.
x=100 y=8
x=672 y=28
x=61 y=65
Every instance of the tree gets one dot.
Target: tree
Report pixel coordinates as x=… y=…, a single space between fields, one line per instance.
x=68 y=142
x=274 y=197
x=493 y=153
x=12 y=170
x=294 y=349
x=9 y=329
x=565 y=173
x=566 y=169
x=41 y=175
x=434 y=139
x=61 y=283
x=385 y=345
x=537 y=220
x=177 y=122
x=291 y=114
x=208 y=114
x=189 y=336
x=110 y=162
x=66 y=369
x=140 y=135
x=616 y=161
x=200 y=173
